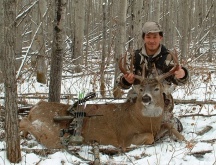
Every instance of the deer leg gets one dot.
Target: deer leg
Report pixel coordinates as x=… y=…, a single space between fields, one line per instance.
x=163 y=131
x=170 y=127
x=143 y=138
x=24 y=126
x=24 y=133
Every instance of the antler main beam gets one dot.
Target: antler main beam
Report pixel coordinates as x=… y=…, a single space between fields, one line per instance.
x=123 y=69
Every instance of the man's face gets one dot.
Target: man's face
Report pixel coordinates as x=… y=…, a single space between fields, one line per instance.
x=152 y=41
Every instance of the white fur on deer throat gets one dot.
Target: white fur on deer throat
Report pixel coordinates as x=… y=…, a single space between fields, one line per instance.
x=151 y=111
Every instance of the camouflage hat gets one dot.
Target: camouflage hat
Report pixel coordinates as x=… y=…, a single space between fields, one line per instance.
x=151 y=27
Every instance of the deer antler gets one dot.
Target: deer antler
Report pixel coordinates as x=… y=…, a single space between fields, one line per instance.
x=123 y=69
x=172 y=71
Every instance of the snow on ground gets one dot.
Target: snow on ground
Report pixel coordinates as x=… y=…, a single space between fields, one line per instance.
x=198 y=150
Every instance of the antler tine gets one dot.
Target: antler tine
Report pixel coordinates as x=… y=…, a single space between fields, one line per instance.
x=156 y=72
x=123 y=69
x=132 y=61
x=175 y=57
x=172 y=71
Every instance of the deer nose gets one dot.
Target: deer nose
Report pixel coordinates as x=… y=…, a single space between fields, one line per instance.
x=146 y=98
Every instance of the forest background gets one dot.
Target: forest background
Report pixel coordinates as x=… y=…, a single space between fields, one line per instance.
x=64 y=39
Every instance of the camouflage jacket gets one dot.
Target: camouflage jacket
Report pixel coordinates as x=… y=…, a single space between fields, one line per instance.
x=163 y=62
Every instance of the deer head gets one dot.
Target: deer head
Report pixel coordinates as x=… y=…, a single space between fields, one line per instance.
x=149 y=90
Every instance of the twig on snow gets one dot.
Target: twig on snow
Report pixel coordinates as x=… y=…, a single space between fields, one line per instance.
x=204 y=130
x=198 y=114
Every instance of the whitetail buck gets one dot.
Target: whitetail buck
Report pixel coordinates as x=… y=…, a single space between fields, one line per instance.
x=117 y=124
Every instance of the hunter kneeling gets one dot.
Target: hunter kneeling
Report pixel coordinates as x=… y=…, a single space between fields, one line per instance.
x=156 y=59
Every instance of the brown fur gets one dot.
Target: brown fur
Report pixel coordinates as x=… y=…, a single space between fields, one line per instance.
x=117 y=124
x=40 y=123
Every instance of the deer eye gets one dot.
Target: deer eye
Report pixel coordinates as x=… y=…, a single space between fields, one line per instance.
x=141 y=90
x=156 y=89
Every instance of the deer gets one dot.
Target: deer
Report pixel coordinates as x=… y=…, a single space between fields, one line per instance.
x=117 y=124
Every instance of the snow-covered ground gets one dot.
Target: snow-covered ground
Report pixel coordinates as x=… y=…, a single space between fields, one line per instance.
x=198 y=150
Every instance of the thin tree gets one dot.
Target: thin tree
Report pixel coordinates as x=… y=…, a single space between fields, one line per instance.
x=102 y=81
x=135 y=21
x=1 y=36
x=110 y=22
x=184 y=28
x=120 y=40
x=8 y=66
x=38 y=48
x=87 y=29
x=18 y=39
x=211 y=35
x=58 y=50
x=156 y=13
x=78 y=34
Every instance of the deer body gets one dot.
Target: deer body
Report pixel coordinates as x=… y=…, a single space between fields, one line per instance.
x=117 y=124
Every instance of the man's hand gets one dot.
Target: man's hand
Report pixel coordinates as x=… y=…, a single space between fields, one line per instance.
x=180 y=73
x=129 y=78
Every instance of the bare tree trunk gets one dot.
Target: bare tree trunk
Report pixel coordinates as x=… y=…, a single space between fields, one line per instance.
x=153 y=10
x=184 y=29
x=78 y=34
x=34 y=25
x=57 y=51
x=199 y=14
x=71 y=26
x=18 y=40
x=110 y=27
x=1 y=36
x=165 y=23
x=131 y=24
x=211 y=34
x=171 y=35
x=98 y=18
x=103 y=55
x=49 y=26
x=87 y=28
x=120 y=37
x=150 y=8
x=214 y=16
x=190 y=26
x=156 y=10
x=11 y=108
x=41 y=57
x=38 y=60
x=135 y=24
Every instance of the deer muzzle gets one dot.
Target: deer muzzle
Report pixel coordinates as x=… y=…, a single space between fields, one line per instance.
x=146 y=99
